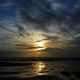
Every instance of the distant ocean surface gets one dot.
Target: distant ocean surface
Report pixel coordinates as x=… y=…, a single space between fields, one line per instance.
x=63 y=69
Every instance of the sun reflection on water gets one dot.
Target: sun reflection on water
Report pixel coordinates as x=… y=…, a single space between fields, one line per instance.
x=40 y=67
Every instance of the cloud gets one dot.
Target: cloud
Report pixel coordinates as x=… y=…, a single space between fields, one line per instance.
x=57 y=6
x=49 y=16
x=21 y=29
x=23 y=46
x=40 y=12
x=6 y=4
x=37 y=11
x=5 y=28
x=51 y=38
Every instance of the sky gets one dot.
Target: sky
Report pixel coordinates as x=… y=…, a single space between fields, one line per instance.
x=40 y=28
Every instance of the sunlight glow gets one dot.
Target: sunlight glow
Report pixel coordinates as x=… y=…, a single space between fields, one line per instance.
x=40 y=45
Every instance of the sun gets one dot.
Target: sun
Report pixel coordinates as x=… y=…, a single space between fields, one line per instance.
x=40 y=45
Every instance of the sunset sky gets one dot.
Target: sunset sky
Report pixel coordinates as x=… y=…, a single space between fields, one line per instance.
x=46 y=28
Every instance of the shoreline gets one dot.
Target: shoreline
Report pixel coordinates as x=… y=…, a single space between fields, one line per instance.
x=39 y=58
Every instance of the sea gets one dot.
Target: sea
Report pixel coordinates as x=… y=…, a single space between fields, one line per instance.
x=67 y=70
